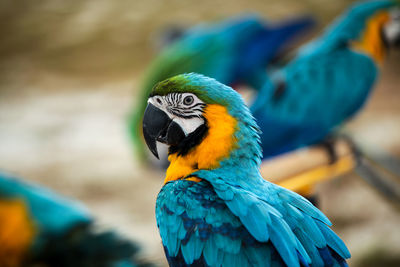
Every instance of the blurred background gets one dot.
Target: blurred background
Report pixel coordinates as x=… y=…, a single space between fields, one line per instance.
x=69 y=74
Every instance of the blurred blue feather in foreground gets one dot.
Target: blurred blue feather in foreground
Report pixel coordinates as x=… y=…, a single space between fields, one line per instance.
x=37 y=226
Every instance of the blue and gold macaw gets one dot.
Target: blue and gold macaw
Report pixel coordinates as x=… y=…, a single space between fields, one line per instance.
x=328 y=81
x=234 y=51
x=39 y=227
x=215 y=209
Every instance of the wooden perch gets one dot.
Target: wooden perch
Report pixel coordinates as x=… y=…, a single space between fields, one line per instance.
x=305 y=167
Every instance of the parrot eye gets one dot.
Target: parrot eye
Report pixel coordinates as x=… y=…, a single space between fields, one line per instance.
x=188 y=100
x=158 y=99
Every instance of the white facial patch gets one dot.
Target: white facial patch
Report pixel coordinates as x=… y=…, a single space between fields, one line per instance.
x=392 y=28
x=189 y=125
x=185 y=109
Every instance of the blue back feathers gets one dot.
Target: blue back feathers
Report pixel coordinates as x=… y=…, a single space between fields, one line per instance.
x=326 y=84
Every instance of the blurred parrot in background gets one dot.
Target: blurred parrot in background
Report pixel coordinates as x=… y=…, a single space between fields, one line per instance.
x=328 y=81
x=215 y=209
x=40 y=228
x=234 y=51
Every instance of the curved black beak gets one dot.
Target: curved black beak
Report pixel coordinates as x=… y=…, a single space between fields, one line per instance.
x=157 y=126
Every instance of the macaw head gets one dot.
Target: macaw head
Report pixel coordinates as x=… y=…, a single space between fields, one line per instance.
x=381 y=30
x=391 y=29
x=203 y=122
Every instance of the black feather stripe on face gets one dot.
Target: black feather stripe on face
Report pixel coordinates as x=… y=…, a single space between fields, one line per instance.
x=177 y=108
x=191 y=141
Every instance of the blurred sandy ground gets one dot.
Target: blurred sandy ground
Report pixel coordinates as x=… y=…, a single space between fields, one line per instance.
x=69 y=71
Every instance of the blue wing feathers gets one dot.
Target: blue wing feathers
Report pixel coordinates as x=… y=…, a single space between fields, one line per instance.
x=302 y=204
x=309 y=246
x=339 y=260
x=302 y=253
x=326 y=256
x=179 y=261
x=229 y=240
x=251 y=214
x=192 y=249
x=281 y=239
x=308 y=226
x=257 y=255
x=334 y=241
x=212 y=253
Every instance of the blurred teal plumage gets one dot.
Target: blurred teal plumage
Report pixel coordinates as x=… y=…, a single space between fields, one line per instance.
x=64 y=234
x=233 y=51
x=326 y=84
x=233 y=217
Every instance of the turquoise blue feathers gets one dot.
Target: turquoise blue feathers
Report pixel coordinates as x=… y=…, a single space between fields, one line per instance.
x=326 y=84
x=203 y=226
x=61 y=230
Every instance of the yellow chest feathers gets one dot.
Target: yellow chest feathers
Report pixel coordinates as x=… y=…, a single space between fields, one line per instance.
x=371 y=42
x=216 y=145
